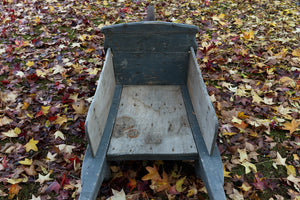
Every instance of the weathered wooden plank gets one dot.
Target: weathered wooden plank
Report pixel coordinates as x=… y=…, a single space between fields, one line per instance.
x=99 y=109
x=210 y=166
x=203 y=107
x=150 y=52
x=94 y=169
x=152 y=124
x=151 y=69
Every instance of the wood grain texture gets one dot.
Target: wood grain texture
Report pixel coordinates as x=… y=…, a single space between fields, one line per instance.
x=150 y=52
x=99 y=109
x=209 y=166
x=152 y=124
x=203 y=107
x=95 y=167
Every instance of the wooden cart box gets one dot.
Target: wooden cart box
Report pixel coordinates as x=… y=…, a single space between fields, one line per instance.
x=151 y=103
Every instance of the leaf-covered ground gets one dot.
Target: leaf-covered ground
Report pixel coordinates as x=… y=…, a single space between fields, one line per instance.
x=51 y=55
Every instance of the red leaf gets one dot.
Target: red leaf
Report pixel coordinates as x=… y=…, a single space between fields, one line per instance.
x=51 y=119
x=40 y=113
x=5 y=82
x=64 y=180
x=54 y=186
x=260 y=182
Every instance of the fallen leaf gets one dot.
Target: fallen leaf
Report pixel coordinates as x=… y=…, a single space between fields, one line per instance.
x=42 y=178
x=117 y=195
x=66 y=148
x=26 y=161
x=243 y=155
x=31 y=145
x=179 y=184
x=59 y=134
x=291 y=170
x=249 y=165
x=152 y=175
x=11 y=133
x=291 y=126
x=80 y=108
x=54 y=186
x=13 y=191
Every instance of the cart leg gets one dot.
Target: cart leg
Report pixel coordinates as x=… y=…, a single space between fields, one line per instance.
x=94 y=171
x=210 y=169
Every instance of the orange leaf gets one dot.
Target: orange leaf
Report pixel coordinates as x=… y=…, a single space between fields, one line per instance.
x=163 y=184
x=14 y=190
x=291 y=126
x=152 y=175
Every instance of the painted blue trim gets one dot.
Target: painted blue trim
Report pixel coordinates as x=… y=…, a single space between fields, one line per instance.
x=94 y=169
x=210 y=167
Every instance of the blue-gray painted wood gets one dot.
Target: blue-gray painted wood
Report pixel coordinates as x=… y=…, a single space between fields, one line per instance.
x=210 y=166
x=151 y=69
x=148 y=53
x=99 y=108
x=94 y=169
x=204 y=110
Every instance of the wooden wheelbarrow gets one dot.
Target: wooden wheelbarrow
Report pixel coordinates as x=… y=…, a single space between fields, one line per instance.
x=151 y=104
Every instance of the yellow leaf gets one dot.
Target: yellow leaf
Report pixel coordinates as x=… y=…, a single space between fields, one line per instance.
x=51 y=8
x=179 y=184
x=287 y=81
x=249 y=165
x=26 y=162
x=59 y=134
x=255 y=97
x=291 y=170
x=238 y=21
x=25 y=106
x=81 y=108
x=296 y=52
x=291 y=126
x=30 y=63
x=45 y=109
x=17 y=130
x=14 y=180
x=31 y=145
x=152 y=175
x=243 y=155
x=105 y=3
x=41 y=73
x=193 y=191
x=60 y=120
x=228 y=133
x=11 y=133
x=226 y=173
x=248 y=35
x=245 y=187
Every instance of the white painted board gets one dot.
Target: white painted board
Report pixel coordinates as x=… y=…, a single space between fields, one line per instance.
x=99 y=109
x=151 y=120
x=202 y=105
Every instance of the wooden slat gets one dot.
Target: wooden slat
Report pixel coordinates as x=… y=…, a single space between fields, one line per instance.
x=152 y=124
x=210 y=166
x=94 y=168
x=99 y=109
x=204 y=110
x=151 y=69
x=150 y=52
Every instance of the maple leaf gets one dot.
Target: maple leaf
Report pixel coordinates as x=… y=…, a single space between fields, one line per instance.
x=291 y=126
x=31 y=145
x=179 y=184
x=131 y=184
x=14 y=190
x=243 y=154
x=66 y=148
x=60 y=120
x=54 y=186
x=59 y=134
x=162 y=184
x=249 y=165
x=81 y=108
x=30 y=171
x=35 y=198
x=248 y=35
x=51 y=157
x=26 y=162
x=117 y=195
x=11 y=133
x=45 y=109
x=5 y=120
x=30 y=63
x=152 y=175
x=42 y=178
x=279 y=160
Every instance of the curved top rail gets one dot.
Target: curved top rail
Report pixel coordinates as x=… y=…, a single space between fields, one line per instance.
x=150 y=27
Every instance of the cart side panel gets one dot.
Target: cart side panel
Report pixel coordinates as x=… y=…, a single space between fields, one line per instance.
x=99 y=109
x=202 y=105
x=150 y=53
